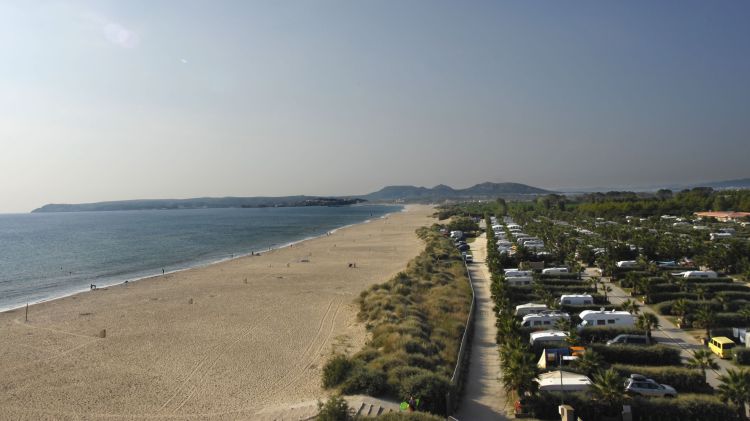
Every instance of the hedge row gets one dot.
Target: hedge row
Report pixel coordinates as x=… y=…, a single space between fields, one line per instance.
x=686 y=407
x=560 y=276
x=710 y=288
x=669 y=296
x=638 y=355
x=563 y=282
x=723 y=320
x=602 y=334
x=685 y=380
x=665 y=307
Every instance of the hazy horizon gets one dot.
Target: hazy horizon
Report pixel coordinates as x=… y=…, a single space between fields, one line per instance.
x=150 y=100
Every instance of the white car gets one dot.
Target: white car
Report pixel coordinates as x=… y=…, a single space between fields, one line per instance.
x=640 y=385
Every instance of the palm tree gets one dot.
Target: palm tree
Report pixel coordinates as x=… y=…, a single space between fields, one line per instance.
x=631 y=306
x=519 y=372
x=703 y=359
x=705 y=318
x=606 y=289
x=735 y=387
x=647 y=322
x=680 y=309
x=745 y=312
x=589 y=363
x=608 y=388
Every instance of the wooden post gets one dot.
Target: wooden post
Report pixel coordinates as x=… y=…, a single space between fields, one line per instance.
x=27 y=312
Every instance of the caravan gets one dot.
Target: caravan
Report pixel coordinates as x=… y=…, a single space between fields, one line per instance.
x=554 y=271
x=699 y=274
x=546 y=318
x=511 y=273
x=517 y=281
x=528 y=308
x=576 y=300
x=592 y=318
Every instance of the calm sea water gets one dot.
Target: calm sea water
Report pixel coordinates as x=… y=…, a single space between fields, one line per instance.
x=49 y=255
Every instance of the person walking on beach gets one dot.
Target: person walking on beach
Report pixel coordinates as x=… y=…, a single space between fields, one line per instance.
x=162 y=271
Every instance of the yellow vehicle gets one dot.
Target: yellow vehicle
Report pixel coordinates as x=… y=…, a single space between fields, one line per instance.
x=721 y=346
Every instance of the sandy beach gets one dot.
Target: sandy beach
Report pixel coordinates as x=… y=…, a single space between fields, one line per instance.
x=227 y=341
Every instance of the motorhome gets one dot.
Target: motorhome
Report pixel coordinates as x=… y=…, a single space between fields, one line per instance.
x=562 y=381
x=554 y=271
x=700 y=274
x=528 y=308
x=546 y=318
x=577 y=300
x=719 y=235
x=590 y=318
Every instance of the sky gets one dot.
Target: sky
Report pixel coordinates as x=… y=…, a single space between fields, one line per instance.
x=111 y=100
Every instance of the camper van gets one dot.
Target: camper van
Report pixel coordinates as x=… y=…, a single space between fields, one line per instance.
x=546 y=318
x=627 y=264
x=554 y=271
x=517 y=281
x=510 y=273
x=700 y=274
x=576 y=300
x=528 y=308
x=721 y=346
x=591 y=318
x=547 y=336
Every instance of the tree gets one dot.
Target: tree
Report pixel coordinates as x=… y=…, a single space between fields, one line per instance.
x=703 y=359
x=647 y=322
x=680 y=309
x=745 y=312
x=608 y=388
x=631 y=306
x=589 y=363
x=735 y=388
x=705 y=318
x=519 y=371
x=335 y=409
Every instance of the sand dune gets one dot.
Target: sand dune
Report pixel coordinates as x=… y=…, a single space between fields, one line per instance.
x=225 y=341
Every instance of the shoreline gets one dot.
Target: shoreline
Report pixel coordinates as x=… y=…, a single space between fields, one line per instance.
x=195 y=265
x=247 y=337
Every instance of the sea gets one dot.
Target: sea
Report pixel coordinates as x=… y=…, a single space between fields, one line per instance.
x=50 y=255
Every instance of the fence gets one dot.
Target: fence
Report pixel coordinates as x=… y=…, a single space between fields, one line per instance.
x=452 y=398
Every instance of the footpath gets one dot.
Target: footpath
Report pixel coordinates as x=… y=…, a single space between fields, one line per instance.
x=484 y=397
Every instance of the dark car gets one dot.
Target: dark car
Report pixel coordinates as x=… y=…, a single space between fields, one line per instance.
x=626 y=339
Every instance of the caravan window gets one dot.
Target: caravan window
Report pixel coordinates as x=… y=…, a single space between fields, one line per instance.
x=566 y=301
x=547 y=322
x=611 y=321
x=600 y=322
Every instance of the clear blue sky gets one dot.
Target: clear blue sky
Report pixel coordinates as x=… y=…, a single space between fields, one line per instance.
x=143 y=99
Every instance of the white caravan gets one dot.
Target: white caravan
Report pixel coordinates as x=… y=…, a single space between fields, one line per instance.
x=591 y=318
x=528 y=308
x=576 y=300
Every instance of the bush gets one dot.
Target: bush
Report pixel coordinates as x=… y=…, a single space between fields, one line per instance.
x=685 y=407
x=685 y=380
x=336 y=370
x=602 y=334
x=408 y=416
x=638 y=355
x=668 y=296
x=734 y=295
x=665 y=308
x=742 y=356
x=365 y=380
x=335 y=409
x=430 y=389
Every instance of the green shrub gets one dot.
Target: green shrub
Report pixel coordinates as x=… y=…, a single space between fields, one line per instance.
x=335 y=409
x=742 y=356
x=665 y=307
x=668 y=296
x=734 y=295
x=430 y=389
x=685 y=407
x=408 y=416
x=602 y=334
x=365 y=380
x=638 y=355
x=336 y=370
x=684 y=380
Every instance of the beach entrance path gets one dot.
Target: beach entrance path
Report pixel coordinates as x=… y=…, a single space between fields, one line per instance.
x=484 y=398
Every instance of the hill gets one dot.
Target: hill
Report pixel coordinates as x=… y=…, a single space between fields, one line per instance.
x=200 y=203
x=442 y=192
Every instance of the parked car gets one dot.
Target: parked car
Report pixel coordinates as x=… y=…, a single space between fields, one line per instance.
x=640 y=385
x=721 y=346
x=463 y=247
x=626 y=339
x=469 y=258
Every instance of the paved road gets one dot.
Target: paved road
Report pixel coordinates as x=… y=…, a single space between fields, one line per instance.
x=667 y=333
x=484 y=398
